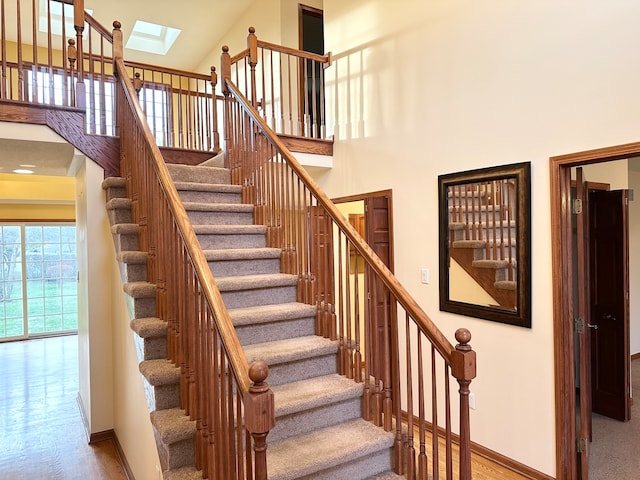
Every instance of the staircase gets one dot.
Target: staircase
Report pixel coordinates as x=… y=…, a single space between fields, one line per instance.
x=319 y=430
x=482 y=235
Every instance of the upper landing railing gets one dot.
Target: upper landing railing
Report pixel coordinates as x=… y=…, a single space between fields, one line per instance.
x=53 y=53
x=285 y=85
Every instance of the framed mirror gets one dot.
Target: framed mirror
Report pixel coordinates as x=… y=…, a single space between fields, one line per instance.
x=485 y=243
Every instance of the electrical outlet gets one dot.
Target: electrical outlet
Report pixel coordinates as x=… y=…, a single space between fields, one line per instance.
x=472 y=401
x=424 y=275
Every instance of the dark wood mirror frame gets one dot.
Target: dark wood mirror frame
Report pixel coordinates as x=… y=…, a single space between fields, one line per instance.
x=476 y=207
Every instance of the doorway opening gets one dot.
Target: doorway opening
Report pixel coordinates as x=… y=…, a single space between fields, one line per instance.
x=311 y=33
x=572 y=414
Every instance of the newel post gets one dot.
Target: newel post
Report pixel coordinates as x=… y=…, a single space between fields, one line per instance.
x=463 y=368
x=260 y=417
x=225 y=73
x=117 y=41
x=252 y=45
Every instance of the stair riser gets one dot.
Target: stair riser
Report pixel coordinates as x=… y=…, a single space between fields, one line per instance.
x=141 y=307
x=116 y=192
x=152 y=348
x=218 y=242
x=200 y=175
x=358 y=469
x=260 y=296
x=303 y=369
x=126 y=243
x=307 y=421
x=133 y=272
x=220 y=218
x=234 y=268
x=176 y=455
x=163 y=396
x=209 y=197
x=120 y=215
x=269 y=332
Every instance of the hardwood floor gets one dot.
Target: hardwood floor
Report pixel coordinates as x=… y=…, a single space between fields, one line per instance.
x=42 y=435
x=41 y=431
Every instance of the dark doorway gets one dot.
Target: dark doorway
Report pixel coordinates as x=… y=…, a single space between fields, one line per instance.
x=373 y=219
x=311 y=31
x=572 y=440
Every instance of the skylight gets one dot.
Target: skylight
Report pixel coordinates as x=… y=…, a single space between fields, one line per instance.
x=56 y=18
x=152 y=38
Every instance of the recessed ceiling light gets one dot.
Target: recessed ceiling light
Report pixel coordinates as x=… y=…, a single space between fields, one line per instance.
x=26 y=165
x=22 y=170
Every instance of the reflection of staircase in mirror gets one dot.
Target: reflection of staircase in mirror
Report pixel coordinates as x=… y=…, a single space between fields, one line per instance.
x=482 y=236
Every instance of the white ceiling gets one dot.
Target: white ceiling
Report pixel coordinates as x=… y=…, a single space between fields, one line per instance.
x=203 y=24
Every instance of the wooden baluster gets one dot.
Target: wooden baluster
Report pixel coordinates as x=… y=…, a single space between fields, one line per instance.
x=252 y=45
x=411 y=451
x=260 y=415
x=72 y=56
x=423 y=473
x=214 y=108
x=463 y=368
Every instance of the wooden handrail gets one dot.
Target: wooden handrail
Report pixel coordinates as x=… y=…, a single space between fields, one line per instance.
x=293 y=51
x=426 y=324
x=97 y=26
x=325 y=252
x=238 y=360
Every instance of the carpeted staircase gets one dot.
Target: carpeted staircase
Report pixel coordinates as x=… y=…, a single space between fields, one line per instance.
x=319 y=432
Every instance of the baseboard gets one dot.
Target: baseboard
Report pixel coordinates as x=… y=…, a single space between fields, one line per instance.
x=110 y=436
x=83 y=416
x=488 y=454
x=105 y=436
x=508 y=463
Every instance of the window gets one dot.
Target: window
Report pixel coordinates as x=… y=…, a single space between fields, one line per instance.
x=38 y=283
x=53 y=88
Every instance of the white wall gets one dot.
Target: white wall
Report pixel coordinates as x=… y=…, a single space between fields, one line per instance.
x=111 y=387
x=275 y=21
x=94 y=300
x=425 y=88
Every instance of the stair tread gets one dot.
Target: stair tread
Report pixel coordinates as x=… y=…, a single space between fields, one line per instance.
x=314 y=393
x=119 y=203
x=159 y=372
x=249 y=282
x=183 y=473
x=241 y=253
x=111 y=182
x=326 y=448
x=229 y=229
x=270 y=313
x=218 y=207
x=140 y=289
x=173 y=425
x=289 y=350
x=149 y=327
x=125 y=228
x=386 y=476
x=208 y=187
x=131 y=257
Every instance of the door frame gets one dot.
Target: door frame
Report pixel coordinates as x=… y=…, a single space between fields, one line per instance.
x=563 y=308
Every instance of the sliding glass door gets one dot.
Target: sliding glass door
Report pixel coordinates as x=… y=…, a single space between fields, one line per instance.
x=38 y=289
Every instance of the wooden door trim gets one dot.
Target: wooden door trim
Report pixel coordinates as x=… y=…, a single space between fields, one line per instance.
x=562 y=278
x=302 y=9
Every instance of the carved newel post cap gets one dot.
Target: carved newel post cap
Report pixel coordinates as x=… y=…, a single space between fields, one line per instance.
x=463 y=336
x=117 y=25
x=225 y=48
x=258 y=372
x=71 y=42
x=252 y=30
x=213 y=69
